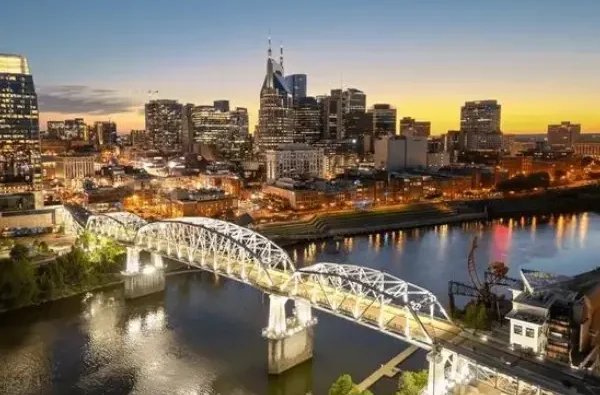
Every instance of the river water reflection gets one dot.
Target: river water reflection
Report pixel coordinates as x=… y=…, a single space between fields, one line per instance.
x=202 y=336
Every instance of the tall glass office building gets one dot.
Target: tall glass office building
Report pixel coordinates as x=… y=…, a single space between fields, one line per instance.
x=20 y=164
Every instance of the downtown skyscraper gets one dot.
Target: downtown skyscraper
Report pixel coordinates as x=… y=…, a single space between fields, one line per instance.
x=20 y=162
x=276 y=113
x=296 y=83
x=480 y=123
x=164 y=125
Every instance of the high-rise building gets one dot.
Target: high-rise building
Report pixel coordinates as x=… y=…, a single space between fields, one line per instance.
x=307 y=121
x=413 y=128
x=276 y=115
x=384 y=120
x=353 y=100
x=482 y=116
x=187 y=128
x=241 y=144
x=210 y=126
x=164 y=119
x=296 y=83
x=19 y=124
x=358 y=126
x=225 y=132
x=138 y=138
x=55 y=129
x=221 y=105
x=332 y=116
x=105 y=133
x=480 y=121
x=76 y=129
x=69 y=129
x=564 y=134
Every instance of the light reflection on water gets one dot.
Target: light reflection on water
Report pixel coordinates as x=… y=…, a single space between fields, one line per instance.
x=202 y=336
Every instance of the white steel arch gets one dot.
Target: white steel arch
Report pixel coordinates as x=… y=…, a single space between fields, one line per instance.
x=370 y=297
x=128 y=219
x=218 y=246
x=121 y=225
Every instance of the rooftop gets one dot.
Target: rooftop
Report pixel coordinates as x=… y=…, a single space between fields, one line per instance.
x=525 y=316
x=540 y=299
x=295 y=147
x=536 y=279
x=13 y=64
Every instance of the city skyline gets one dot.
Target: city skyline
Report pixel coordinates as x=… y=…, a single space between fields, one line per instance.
x=427 y=66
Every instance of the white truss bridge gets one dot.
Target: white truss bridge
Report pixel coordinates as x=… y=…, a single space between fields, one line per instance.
x=368 y=297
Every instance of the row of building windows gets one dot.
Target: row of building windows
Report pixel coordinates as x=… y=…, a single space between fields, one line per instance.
x=518 y=330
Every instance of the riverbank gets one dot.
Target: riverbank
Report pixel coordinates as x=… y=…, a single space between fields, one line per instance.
x=67 y=295
x=342 y=224
x=555 y=201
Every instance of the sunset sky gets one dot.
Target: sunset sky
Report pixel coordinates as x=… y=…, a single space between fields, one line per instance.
x=97 y=59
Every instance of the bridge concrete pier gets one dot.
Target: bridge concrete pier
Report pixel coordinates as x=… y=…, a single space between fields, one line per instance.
x=436 y=383
x=143 y=281
x=290 y=339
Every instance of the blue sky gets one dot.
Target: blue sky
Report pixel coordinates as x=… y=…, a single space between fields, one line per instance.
x=539 y=58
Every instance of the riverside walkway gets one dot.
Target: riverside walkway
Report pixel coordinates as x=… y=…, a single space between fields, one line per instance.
x=388 y=369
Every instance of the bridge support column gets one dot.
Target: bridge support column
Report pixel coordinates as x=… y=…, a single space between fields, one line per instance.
x=436 y=384
x=133 y=260
x=156 y=260
x=290 y=339
x=148 y=280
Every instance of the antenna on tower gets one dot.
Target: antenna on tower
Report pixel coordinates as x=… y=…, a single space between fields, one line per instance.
x=270 y=52
x=281 y=54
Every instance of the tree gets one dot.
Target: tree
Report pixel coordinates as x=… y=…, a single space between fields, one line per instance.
x=481 y=320
x=19 y=252
x=17 y=281
x=86 y=240
x=6 y=243
x=476 y=316
x=344 y=386
x=412 y=383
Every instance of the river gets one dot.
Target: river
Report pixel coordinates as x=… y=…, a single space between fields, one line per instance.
x=202 y=336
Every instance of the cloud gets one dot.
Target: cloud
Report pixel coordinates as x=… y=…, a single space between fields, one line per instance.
x=81 y=99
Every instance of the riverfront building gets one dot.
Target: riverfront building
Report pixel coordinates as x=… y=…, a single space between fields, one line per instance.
x=295 y=160
x=556 y=315
x=394 y=153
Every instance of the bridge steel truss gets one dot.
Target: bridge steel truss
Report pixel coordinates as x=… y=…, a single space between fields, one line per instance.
x=369 y=297
x=122 y=226
x=218 y=246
